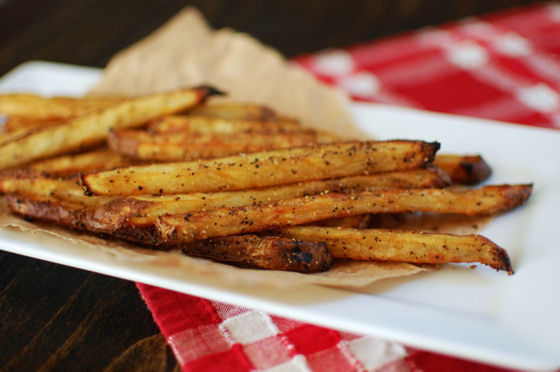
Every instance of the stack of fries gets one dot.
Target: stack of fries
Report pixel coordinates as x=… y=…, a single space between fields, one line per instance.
x=237 y=183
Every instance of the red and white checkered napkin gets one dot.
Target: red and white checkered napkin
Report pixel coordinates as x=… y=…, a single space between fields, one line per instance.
x=504 y=67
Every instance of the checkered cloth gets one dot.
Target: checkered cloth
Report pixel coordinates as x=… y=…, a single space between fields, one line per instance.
x=504 y=67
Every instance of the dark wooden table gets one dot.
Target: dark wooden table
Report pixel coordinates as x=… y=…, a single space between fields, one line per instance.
x=57 y=318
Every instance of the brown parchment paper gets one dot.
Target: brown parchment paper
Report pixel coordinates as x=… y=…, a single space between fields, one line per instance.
x=186 y=52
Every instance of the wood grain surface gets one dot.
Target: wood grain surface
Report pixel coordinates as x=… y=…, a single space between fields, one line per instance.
x=58 y=318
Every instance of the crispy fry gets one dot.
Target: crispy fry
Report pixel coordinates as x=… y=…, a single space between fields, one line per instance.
x=21 y=124
x=40 y=185
x=6 y=137
x=92 y=128
x=142 y=210
x=465 y=169
x=97 y=160
x=266 y=252
x=209 y=125
x=28 y=111
x=145 y=146
x=404 y=246
x=263 y=169
x=49 y=209
x=235 y=111
x=361 y=221
x=230 y=221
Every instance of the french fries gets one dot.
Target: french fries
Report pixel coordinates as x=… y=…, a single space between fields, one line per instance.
x=26 y=111
x=404 y=246
x=144 y=209
x=96 y=160
x=39 y=185
x=241 y=184
x=184 y=228
x=267 y=168
x=145 y=146
x=265 y=252
x=235 y=111
x=465 y=169
x=91 y=129
x=211 y=125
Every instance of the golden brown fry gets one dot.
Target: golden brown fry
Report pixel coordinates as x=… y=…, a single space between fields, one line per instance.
x=32 y=105
x=37 y=184
x=145 y=146
x=235 y=111
x=142 y=210
x=230 y=221
x=265 y=252
x=357 y=222
x=49 y=209
x=96 y=160
x=20 y=124
x=93 y=128
x=209 y=125
x=28 y=111
x=465 y=169
x=12 y=135
x=262 y=169
x=404 y=246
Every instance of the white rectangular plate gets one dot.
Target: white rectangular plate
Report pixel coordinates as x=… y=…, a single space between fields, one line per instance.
x=478 y=314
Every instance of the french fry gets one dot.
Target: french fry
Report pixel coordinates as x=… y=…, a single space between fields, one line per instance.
x=93 y=128
x=49 y=209
x=357 y=222
x=142 y=145
x=210 y=125
x=39 y=185
x=29 y=111
x=265 y=252
x=235 y=111
x=6 y=137
x=21 y=124
x=262 y=169
x=97 y=160
x=404 y=246
x=464 y=169
x=184 y=228
x=143 y=210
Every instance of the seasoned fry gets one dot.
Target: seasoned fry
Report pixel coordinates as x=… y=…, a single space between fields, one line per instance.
x=266 y=252
x=31 y=105
x=21 y=124
x=26 y=111
x=6 y=137
x=357 y=222
x=235 y=111
x=209 y=125
x=140 y=210
x=465 y=169
x=49 y=209
x=230 y=221
x=404 y=246
x=142 y=145
x=93 y=128
x=39 y=185
x=96 y=160
x=262 y=169
x=143 y=210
